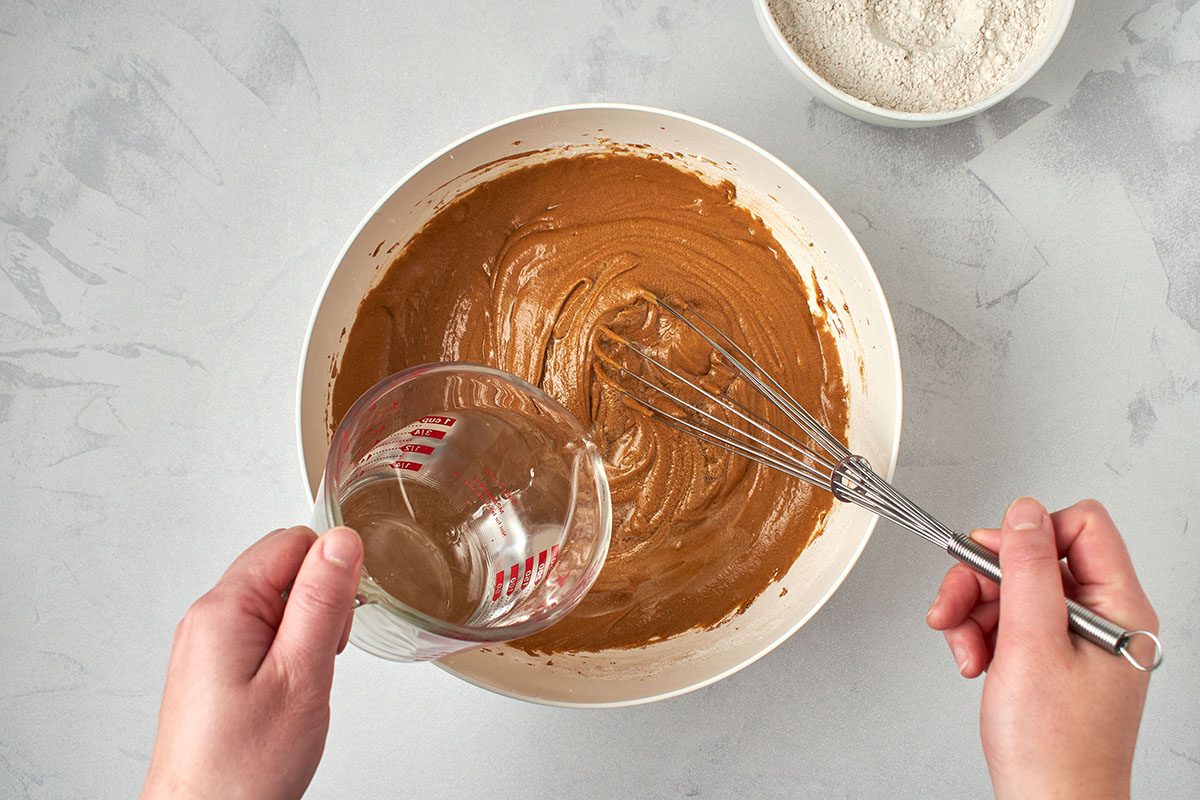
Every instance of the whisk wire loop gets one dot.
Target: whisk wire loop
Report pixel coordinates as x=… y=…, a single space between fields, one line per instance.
x=828 y=464
x=765 y=384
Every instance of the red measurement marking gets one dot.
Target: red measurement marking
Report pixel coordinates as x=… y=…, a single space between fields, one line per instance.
x=546 y=560
x=485 y=498
x=429 y=433
x=415 y=448
x=435 y=420
x=411 y=466
x=505 y=493
x=541 y=568
x=492 y=502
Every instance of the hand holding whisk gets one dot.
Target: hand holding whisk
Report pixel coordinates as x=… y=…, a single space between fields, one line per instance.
x=818 y=458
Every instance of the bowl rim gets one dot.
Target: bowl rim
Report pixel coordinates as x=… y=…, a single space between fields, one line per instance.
x=1049 y=45
x=856 y=246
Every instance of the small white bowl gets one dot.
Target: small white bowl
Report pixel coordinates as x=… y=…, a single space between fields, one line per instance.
x=825 y=253
x=832 y=96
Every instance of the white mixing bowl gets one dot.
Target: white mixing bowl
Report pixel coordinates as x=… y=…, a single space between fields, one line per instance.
x=832 y=96
x=823 y=250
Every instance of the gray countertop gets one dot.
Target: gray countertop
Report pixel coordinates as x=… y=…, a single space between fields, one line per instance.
x=176 y=179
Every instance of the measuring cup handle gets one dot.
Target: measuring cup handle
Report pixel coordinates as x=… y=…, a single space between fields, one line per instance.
x=1082 y=621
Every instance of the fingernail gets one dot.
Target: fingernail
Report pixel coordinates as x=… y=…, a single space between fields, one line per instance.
x=340 y=546
x=933 y=605
x=960 y=658
x=1024 y=514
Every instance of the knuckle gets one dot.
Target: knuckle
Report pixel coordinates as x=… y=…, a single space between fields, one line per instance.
x=294 y=674
x=953 y=582
x=289 y=669
x=1034 y=645
x=1092 y=508
x=199 y=616
x=959 y=569
x=302 y=531
x=308 y=702
x=1028 y=561
x=317 y=598
x=205 y=607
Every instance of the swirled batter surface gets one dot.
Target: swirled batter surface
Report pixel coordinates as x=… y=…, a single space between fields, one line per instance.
x=525 y=271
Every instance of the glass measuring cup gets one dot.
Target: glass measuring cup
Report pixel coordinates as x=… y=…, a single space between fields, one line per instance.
x=482 y=504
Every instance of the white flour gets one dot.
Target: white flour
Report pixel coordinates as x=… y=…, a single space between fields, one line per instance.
x=913 y=55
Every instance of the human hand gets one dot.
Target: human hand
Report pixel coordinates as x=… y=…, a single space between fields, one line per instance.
x=1059 y=716
x=246 y=704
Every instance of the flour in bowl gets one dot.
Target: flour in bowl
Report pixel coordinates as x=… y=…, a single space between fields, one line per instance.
x=913 y=55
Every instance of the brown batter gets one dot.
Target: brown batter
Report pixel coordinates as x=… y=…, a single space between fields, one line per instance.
x=523 y=271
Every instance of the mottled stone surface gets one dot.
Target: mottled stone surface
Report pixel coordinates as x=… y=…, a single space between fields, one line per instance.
x=176 y=178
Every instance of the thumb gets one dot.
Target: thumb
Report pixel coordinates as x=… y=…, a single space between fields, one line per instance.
x=318 y=605
x=1032 y=604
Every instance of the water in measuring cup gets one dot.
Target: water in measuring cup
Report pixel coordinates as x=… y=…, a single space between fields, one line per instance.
x=425 y=559
x=462 y=514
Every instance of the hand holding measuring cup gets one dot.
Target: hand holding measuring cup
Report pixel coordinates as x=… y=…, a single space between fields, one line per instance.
x=246 y=703
x=482 y=505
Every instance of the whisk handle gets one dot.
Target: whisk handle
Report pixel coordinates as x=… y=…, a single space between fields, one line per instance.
x=1083 y=622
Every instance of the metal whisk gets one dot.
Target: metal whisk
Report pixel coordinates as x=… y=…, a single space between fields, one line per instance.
x=826 y=463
